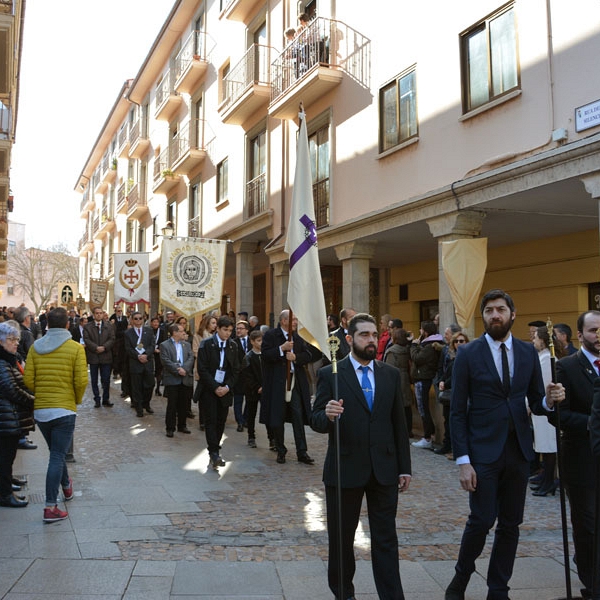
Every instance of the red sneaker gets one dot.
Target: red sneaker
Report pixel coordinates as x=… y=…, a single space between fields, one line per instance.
x=68 y=491
x=53 y=513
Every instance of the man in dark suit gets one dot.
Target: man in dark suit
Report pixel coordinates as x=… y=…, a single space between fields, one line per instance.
x=578 y=372
x=243 y=343
x=277 y=350
x=139 y=348
x=218 y=367
x=492 y=439
x=375 y=457
x=160 y=336
x=99 y=339
x=178 y=367
x=342 y=331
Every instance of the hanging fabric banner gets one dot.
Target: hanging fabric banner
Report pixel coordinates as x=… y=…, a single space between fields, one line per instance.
x=464 y=263
x=132 y=277
x=98 y=291
x=192 y=274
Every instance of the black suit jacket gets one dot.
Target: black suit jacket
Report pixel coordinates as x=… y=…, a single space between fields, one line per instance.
x=148 y=341
x=480 y=412
x=578 y=377
x=370 y=442
x=209 y=357
x=94 y=338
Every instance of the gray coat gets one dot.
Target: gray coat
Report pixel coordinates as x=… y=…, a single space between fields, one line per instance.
x=168 y=358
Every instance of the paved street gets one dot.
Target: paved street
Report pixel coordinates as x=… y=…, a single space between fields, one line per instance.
x=149 y=520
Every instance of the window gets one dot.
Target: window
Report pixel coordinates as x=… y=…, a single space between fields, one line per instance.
x=222 y=181
x=318 y=145
x=194 y=210
x=398 y=110
x=257 y=167
x=489 y=59
x=155 y=233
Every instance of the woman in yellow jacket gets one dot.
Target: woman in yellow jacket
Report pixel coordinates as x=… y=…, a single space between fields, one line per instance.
x=56 y=371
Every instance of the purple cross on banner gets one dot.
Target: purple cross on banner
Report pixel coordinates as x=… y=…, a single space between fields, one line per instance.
x=310 y=240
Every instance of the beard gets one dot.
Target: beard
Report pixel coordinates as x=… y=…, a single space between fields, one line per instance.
x=590 y=347
x=369 y=352
x=498 y=331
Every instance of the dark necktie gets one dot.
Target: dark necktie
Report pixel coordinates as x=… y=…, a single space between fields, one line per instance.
x=244 y=344
x=99 y=327
x=366 y=386
x=505 y=371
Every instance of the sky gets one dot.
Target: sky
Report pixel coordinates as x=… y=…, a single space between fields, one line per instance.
x=74 y=62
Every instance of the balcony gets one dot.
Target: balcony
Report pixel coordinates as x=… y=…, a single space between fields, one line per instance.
x=137 y=204
x=87 y=203
x=123 y=141
x=168 y=101
x=95 y=226
x=3 y=228
x=256 y=196
x=191 y=62
x=315 y=63
x=122 y=197
x=111 y=266
x=107 y=221
x=108 y=171
x=241 y=10
x=139 y=142
x=165 y=179
x=246 y=88
x=187 y=149
x=85 y=244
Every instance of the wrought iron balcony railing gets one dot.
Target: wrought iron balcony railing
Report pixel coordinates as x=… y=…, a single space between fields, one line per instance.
x=256 y=195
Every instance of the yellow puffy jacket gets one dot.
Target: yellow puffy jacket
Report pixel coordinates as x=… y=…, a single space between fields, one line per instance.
x=56 y=371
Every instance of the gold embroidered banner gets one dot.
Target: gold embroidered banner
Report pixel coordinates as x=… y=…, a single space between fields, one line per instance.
x=191 y=274
x=98 y=291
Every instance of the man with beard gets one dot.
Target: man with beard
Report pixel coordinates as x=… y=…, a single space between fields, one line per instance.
x=375 y=460
x=492 y=440
x=578 y=372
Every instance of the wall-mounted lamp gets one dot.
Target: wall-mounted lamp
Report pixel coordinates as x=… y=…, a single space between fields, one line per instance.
x=168 y=229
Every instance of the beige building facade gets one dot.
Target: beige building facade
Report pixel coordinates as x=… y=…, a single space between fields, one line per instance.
x=480 y=122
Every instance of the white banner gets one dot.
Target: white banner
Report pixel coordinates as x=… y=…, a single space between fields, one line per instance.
x=67 y=293
x=132 y=277
x=191 y=274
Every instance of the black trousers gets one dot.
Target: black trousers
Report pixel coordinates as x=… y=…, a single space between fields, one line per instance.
x=500 y=494
x=177 y=401
x=582 y=501
x=8 y=452
x=215 y=413
x=296 y=413
x=140 y=395
x=382 y=504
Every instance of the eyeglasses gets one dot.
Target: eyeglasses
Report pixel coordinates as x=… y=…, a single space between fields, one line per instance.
x=12 y=338
x=459 y=341
x=137 y=318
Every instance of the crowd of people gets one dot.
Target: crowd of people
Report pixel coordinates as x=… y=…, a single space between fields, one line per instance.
x=497 y=395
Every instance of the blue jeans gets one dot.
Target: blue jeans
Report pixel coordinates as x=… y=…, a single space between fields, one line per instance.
x=58 y=434
x=105 y=370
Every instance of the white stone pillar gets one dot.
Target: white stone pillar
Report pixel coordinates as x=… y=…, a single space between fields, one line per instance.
x=281 y=276
x=244 y=275
x=446 y=228
x=356 y=259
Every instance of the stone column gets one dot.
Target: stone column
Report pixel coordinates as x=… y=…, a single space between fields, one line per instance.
x=244 y=275
x=446 y=228
x=355 y=258
x=281 y=276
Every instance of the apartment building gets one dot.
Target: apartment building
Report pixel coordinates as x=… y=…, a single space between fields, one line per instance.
x=426 y=123
x=11 y=30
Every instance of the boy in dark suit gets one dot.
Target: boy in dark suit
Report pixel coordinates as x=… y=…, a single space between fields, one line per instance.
x=375 y=461
x=218 y=367
x=252 y=380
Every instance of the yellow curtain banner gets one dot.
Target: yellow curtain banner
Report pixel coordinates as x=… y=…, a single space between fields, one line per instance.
x=464 y=263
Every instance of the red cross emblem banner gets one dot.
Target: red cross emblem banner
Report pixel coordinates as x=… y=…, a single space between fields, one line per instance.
x=192 y=274
x=305 y=287
x=132 y=277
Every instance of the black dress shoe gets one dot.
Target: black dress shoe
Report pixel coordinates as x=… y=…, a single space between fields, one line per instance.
x=109 y=403
x=456 y=590
x=140 y=413
x=157 y=392
x=280 y=458
x=13 y=502
x=190 y=415
x=25 y=444
x=96 y=404
x=149 y=410
x=306 y=459
x=184 y=430
x=443 y=449
x=169 y=434
x=240 y=428
x=20 y=481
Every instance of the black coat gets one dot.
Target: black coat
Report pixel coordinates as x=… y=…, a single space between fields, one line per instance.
x=273 y=405
x=209 y=358
x=16 y=401
x=251 y=375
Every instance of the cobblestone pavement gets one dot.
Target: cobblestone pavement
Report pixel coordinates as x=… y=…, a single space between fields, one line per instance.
x=276 y=512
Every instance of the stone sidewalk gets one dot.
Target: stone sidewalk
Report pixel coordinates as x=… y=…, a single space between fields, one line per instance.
x=150 y=520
